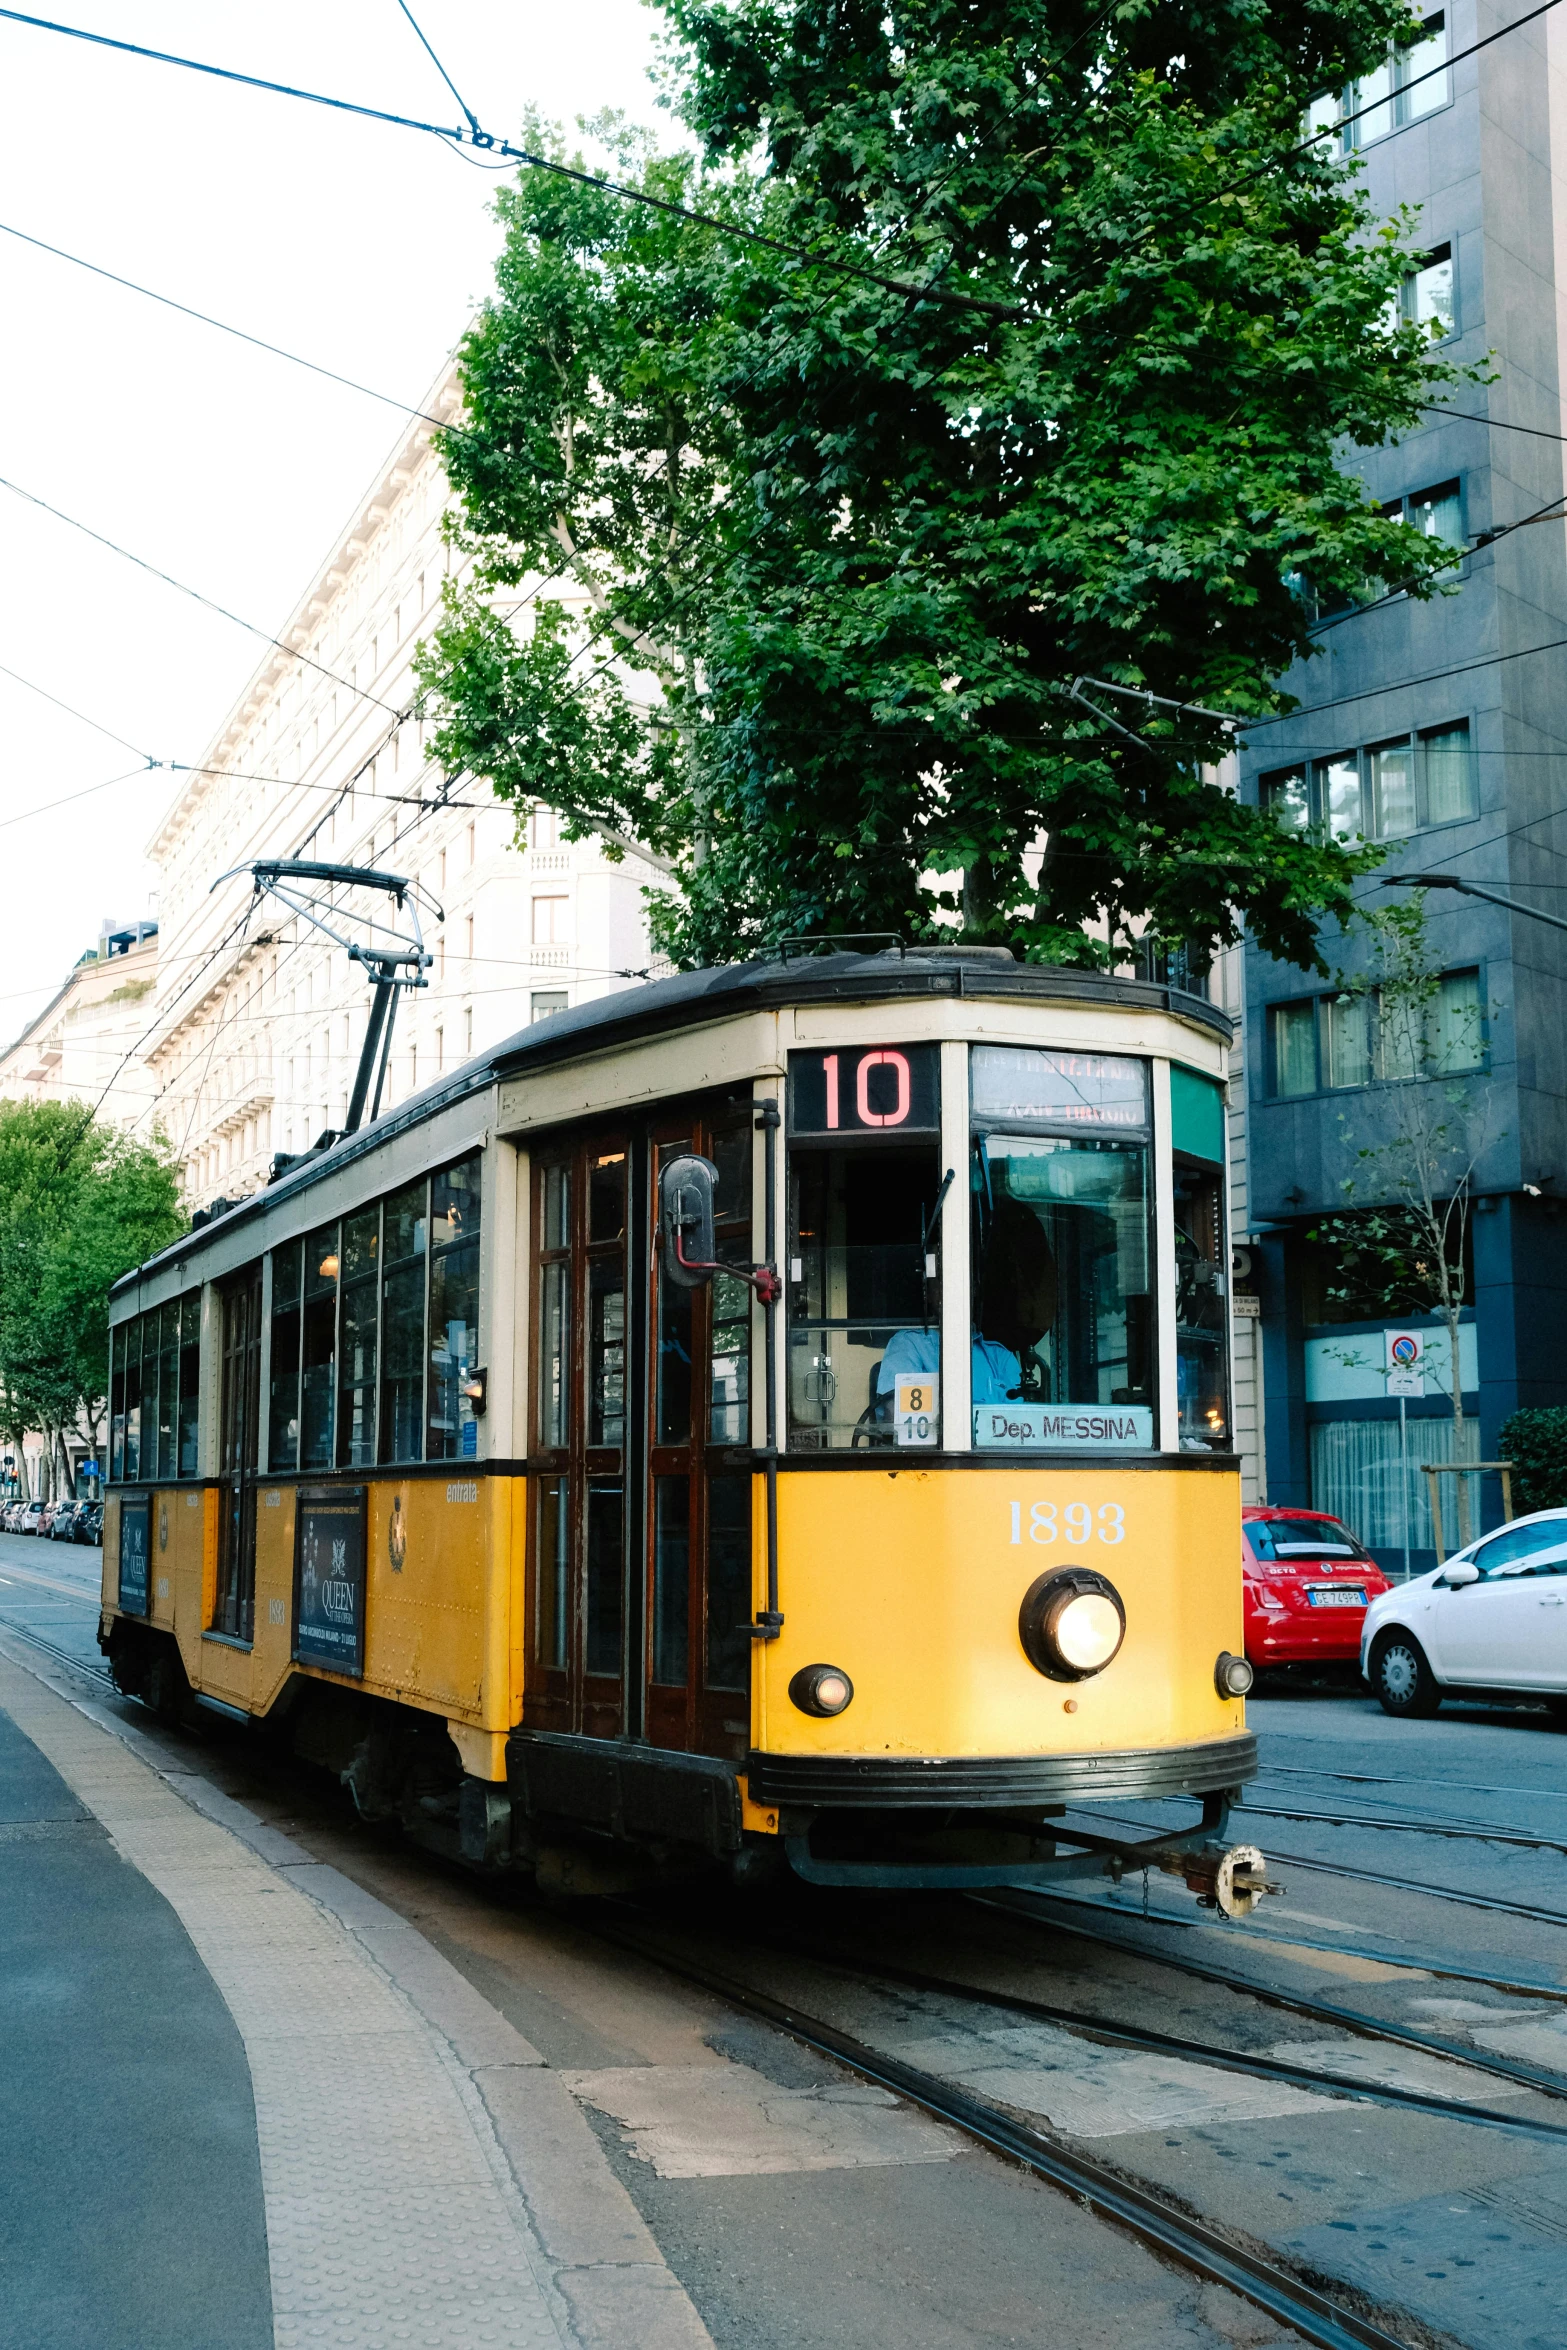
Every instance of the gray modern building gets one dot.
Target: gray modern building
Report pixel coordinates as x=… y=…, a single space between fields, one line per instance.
x=1439 y=729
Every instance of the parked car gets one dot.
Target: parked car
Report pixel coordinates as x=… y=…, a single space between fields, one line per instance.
x=62 y=1524
x=1307 y=1582
x=28 y=1517
x=89 y=1526
x=1492 y=1618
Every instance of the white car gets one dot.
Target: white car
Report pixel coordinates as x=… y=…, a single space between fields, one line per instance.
x=1493 y=1617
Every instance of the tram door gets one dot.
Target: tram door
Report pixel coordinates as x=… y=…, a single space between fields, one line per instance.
x=239 y=1431
x=699 y=1514
x=640 y=1483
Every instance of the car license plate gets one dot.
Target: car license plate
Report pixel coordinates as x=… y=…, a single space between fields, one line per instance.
x=1339 y=1595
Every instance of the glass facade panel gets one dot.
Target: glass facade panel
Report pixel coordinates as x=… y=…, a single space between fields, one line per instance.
x=1338 y=786
x=1284 y=797
x=1294 y=1028
x=1390 y=769
x=1454 y=1030
x=1347 y=1021
x=1449 y=774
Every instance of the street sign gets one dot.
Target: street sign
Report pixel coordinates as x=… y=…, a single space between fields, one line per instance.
x=1406 y=1361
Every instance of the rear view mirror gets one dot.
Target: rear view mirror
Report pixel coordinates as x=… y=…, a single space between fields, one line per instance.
x=687 y=1247
x=1460 y=1572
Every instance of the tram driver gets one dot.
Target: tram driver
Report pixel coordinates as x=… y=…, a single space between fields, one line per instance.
x=1018 y=1299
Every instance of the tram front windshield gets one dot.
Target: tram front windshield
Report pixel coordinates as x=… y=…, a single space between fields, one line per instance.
x=1061 y=1290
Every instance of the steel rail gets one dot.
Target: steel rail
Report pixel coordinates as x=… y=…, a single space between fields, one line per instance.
x=1328 y=2011
x=1150 y=2042
x=1397 y=1779
x=1491 y=1901
x=1470 y=1831
x=1160 y=2221
x=52 y=1648
x=1345 y=1868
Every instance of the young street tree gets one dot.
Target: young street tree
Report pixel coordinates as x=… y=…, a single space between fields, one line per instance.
x=79 y=1205
x=845 y=547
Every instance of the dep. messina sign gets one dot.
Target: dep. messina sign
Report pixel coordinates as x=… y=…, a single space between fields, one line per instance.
x=329 y=1572
x=1046 y=1427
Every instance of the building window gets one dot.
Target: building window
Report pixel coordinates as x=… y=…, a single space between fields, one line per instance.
x=1404 y=88
x=1442 y=1035
x=1331 y=1043
x=1346 y=1021
x=1411 y=783
x=545 y=1003
x=1428 y=294
x=1294 y=1039
x=550 y=921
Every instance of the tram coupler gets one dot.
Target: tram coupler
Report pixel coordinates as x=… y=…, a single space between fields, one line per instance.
x=1231 y=1879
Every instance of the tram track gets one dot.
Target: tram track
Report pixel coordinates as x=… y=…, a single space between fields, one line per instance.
x=1324 y=2011
x=1349 y=1869
x=1466 y=1830
x=1162 y=2220
x=64 y=1656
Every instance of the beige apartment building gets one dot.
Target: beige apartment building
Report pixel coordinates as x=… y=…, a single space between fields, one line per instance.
x=83 y=1045
x=259 y=1020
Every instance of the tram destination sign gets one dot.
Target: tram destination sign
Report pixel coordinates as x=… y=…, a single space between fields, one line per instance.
x=1049 y=1427
x=329 y=1578
x=891 y=1089
x=135 y=1547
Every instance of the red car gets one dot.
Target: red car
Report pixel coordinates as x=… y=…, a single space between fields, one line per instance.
x=1307 y=1584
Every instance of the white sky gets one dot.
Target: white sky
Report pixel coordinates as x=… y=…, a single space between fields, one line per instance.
x=359 y=246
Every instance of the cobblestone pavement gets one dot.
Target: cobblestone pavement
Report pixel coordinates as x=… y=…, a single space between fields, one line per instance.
x=426 y=2181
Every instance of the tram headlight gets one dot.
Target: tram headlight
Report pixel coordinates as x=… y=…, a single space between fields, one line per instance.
x=1232 y=1675
x=1071 y=1624
x=822 y=1690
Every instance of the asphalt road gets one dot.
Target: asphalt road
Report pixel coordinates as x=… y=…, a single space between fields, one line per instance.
x=800 y=2215
x=130 y=2182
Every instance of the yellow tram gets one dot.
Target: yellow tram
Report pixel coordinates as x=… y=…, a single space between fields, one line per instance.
x=776 y=1416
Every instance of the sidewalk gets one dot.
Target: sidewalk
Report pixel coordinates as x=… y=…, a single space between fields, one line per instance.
x=239 y=2070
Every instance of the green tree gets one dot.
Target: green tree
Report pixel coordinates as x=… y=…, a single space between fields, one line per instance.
x=80 y=1204
x=847 y=549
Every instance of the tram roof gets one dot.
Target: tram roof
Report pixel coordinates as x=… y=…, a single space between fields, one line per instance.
x=692 y=999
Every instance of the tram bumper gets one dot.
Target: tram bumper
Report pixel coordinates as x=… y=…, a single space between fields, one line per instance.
x=967 y=1823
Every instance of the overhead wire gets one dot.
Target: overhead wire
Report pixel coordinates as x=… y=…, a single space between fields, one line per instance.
x=142 y=564
x=71 y=711
x=223 y=327
x=507 y=151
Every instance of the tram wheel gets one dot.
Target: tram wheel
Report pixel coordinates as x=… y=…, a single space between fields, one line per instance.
x=1403 y=1681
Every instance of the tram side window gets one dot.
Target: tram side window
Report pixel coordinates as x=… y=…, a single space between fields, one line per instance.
x=283 y=1410
x=404 y=1233
x=318 y=1349
x=864 y=1294
x=357 y=1348
x=1201 y=1308
x=453 y=1431
x=154 y=1379
x=1063 y=1310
